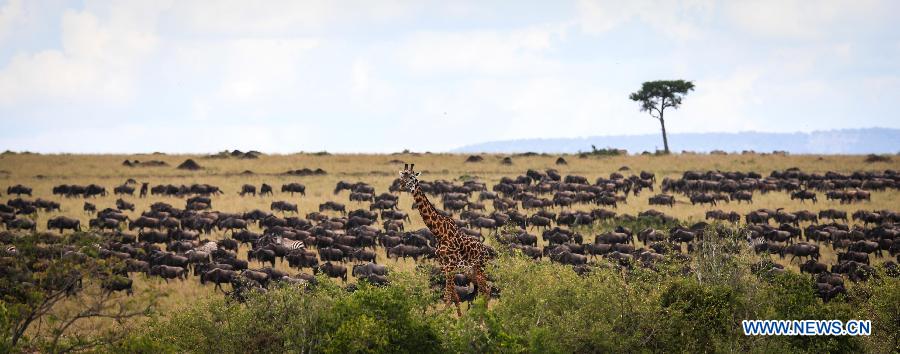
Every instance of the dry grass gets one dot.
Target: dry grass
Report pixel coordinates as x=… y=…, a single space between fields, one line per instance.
x=42 y=172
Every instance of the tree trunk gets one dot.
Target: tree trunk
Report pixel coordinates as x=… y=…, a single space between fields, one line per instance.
x=662 y=122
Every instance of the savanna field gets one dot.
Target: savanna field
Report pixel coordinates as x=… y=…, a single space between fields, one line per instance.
x=665 y=293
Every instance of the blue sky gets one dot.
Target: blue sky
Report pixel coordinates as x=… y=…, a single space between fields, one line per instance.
x=381 y=76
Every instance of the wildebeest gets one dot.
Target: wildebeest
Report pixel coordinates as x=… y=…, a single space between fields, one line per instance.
x=62 y=223
x=802 y=250
x=367 y=269
x=739 y=196
x=662 y=199
x=804 y=195
x=47 y=205
x=144 y=222
x=18 y=190
x=701 y=198
x=265 y=189
x=118 y=283
x=833 y=214
x=248 y=189
x=262 y=256
x=303 y=259
x=232 y=224
x=813 y=267
x=860 y=257
x=21 y=224
x=259 y=277
x=294 y=188
x=123 y=205
x=334 y=206
x=168 y=272
x=334 y=270
x=123 y=189
x=218 y=277
x=284 y=207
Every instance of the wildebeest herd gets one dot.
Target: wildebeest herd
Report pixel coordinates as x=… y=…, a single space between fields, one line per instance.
x=197 y=240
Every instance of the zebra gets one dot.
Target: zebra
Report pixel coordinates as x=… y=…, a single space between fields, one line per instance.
x=290 y=244
x=11 y=250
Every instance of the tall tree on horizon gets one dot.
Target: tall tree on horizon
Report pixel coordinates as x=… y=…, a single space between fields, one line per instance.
x=655 y=96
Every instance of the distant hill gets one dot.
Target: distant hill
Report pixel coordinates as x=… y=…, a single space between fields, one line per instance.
x=844 y=141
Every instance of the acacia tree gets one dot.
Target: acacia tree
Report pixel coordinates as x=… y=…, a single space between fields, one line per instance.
x=656 y=96
x=50 y=285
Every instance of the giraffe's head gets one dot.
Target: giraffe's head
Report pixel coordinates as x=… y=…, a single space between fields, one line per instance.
x=409 y=178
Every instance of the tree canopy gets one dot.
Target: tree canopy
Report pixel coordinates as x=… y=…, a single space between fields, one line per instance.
x=656 y=96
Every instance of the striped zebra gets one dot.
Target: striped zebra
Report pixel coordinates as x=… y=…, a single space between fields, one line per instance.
x=290 y=244
x=269 y=239
x=11 y=250
x=755 y=242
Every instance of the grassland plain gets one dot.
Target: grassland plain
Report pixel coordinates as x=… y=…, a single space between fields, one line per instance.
x=42 y=172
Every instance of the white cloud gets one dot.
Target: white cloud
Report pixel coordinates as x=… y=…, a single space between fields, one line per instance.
x=516 y=52
x=800 y=19
x=98 y=61
x=676 y=19
x=278 y=17
x=10 y=15
x=255 y=69
x=720 y=102
x=351 y=76
x=148 y=137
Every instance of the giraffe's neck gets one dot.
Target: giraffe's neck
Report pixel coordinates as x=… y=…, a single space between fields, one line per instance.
x=428 y=211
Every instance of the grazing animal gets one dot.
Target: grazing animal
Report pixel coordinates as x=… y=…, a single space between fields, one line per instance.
x=265 y=189
x=218 y=276
x=662 y=199
x=248 y=189
x=284 y=207
x=118 y=283
x=294 y=188
x=334 y=270
x=168 y=272
x=804 y=195
x=18 y=190
x=62 y=223
x=123 y=205
x=455 y=251
x=262 y=256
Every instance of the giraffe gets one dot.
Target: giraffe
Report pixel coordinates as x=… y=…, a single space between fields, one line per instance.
x=455 y=251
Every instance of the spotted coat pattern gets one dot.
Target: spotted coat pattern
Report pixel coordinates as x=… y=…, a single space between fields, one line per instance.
x=455 y=251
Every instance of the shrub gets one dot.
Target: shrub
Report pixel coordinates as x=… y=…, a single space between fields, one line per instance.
x=543 y=307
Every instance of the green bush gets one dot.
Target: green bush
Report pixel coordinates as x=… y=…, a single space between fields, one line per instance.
x=542 y=307
x=700 y=318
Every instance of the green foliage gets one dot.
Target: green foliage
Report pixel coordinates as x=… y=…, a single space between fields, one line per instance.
x=658 y=95
x=542 y=307
x=294 y=319
x=604 y=152
x=56 y=282
x=700 y=318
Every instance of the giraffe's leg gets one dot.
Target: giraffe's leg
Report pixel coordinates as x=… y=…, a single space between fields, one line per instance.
x=450 y=294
